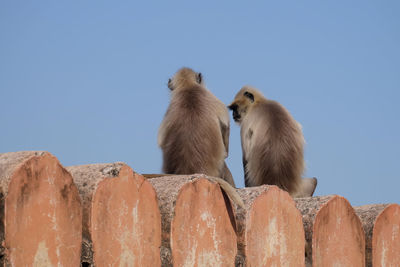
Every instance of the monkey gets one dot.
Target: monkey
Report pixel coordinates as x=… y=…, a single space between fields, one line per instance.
x=194 y=134
x=272 y=143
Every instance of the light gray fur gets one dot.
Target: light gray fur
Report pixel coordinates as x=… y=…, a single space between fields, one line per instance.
x=272 y=143
x=194 y=135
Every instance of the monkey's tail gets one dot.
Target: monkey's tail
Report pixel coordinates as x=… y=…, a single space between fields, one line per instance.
x=229 y=190
x=225 y=186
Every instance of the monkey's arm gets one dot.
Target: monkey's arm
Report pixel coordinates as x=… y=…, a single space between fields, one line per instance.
x=225 y=136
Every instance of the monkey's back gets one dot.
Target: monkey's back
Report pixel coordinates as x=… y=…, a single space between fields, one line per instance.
x=193 y=141
x=274 y=152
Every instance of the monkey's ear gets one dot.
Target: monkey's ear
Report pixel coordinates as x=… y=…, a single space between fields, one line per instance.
x=170 y=84
x=249 y=96
x=199 y=77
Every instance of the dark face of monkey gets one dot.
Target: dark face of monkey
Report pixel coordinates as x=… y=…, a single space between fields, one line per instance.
x=235 y=112
x=240 y=105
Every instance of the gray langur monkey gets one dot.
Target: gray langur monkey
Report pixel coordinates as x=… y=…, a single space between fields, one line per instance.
x=272 y=144
x=194 y=134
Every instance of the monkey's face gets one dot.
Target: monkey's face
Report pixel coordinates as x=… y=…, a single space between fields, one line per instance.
x=184 y=77
x=243 y=101
x=235 y=112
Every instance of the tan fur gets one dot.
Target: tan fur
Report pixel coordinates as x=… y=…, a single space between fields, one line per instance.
x=194 y=135
x=272 y=143
x=307 y=187
x=227 y=175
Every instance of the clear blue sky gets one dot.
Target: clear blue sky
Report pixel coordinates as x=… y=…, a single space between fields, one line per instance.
x=86 y=80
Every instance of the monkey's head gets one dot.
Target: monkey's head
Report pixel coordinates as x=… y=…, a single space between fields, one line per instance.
x=185 y=77
x=244 y=100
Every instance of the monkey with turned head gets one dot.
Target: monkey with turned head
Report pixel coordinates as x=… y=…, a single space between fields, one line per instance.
x=272 y=143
